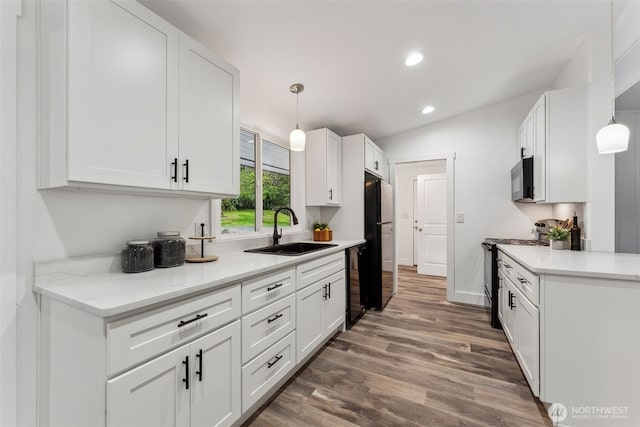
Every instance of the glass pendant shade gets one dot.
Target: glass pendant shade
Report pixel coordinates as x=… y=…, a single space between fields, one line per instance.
x=297 y=139
x=612 y=138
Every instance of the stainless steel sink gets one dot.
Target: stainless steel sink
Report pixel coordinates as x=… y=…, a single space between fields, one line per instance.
x=292 y=249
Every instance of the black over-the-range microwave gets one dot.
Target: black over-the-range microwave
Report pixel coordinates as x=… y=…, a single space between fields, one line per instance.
x=522 y=180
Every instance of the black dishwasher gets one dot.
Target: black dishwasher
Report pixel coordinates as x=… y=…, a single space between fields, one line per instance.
x=355 y=284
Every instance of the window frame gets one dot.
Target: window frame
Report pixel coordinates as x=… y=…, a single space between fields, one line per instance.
x=260 y=229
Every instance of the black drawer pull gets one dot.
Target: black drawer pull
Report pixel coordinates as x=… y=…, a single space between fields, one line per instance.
x=329 y=293
x=270 y=364
x=324 y=292
x=274 y=318
x=270 y=288
x=512 y=304
x=186 y=322
x=186 y=372
x=522 y=280
x=199 y=371
x=186 y=170
x=175 y=169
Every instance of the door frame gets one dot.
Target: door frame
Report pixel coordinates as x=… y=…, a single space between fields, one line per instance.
x=449 y=159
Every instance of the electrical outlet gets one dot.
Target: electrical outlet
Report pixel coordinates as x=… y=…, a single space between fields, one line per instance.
x=460 y=217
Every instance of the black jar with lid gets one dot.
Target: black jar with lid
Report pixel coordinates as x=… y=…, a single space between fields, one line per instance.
x=168 y=249
x=137 y=256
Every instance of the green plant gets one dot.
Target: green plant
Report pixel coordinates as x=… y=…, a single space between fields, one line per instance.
x=557 y=233
x=320 y=226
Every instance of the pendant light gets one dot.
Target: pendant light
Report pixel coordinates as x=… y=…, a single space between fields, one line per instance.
x=297 y=137
x=614 y=137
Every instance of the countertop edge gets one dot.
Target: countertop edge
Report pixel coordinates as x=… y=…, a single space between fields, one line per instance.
x=567 y=272
x=49 y=289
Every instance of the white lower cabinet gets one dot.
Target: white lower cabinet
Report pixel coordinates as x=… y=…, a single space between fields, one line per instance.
x=206 y=360
x=264 y=372
x=197 y=384
x=320 y=311
x=520 y=316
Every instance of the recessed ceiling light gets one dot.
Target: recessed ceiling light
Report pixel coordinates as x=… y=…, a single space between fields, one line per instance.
x=428 y=109
x=413 y=59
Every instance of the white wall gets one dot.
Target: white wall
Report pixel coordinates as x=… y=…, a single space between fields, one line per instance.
x=8 y=196
x=485 y=146
x=406 y=174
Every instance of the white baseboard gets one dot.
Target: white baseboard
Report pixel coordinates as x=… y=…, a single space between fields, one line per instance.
x=470 y=298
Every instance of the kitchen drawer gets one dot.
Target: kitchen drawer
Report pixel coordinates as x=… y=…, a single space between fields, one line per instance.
x=264 y=290
x=523 y=279
x=138 y=338
x=263 y=328
x=318 y=269
x=261 y=374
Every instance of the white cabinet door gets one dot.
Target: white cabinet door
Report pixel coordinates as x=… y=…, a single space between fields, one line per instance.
x=508 y=313
x=528 y=141
x=153 y=395
x=501 y=290
x=522 y=139
x=539 y=148
x=209 y=137
x=122 y=94
x=369 y=155
x=334 y=169
x=527 y=336
x=215 y=378
x=309 y=326
x=373 y=157
x=323 y=159
x=334 y=302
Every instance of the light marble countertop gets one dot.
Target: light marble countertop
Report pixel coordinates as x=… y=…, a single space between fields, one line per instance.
x=543 y=260
x=111 y=293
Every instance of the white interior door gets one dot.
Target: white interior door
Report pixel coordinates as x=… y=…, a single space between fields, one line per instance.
x=416 y=233
x=432 y=224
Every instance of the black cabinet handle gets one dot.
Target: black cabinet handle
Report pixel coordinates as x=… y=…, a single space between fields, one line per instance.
x=522 y=280
x=175 y=169
x=512 y=304
x=270 y=288
x=186 y=170
x=329 y=293
x=274 y=318
x=186 y=322
x=270 y=364
x=324 y=292
x=331 y=194
x=376 y=162
x=186 y=372
x=199 y=371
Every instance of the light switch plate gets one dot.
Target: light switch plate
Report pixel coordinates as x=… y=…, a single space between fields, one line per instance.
x=460 y=217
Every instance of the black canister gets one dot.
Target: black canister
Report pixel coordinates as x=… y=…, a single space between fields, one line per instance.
x=168 y=249
x=137 y=256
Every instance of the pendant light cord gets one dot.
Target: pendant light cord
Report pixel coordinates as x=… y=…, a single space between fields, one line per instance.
x=613 y=89
x=297 y=111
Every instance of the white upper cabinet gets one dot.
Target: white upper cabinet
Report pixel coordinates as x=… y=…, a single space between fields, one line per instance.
x=373 y=157
x=323 y=157
x=555 y=131
x=127 y=101
x=209 y=137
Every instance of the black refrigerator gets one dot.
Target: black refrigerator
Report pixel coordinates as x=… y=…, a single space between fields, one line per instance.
x=378 y=231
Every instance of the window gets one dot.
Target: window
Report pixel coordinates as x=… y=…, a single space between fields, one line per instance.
x=265 y=172
x=276 y=185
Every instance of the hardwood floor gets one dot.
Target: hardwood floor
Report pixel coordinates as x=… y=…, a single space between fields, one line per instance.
x=422 y=361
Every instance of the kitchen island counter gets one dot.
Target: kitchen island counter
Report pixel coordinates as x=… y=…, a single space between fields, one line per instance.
x=605 y=265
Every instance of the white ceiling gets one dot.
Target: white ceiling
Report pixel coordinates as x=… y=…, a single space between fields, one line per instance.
x=350 y=55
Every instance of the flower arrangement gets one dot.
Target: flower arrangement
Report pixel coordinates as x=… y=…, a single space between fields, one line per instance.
x=557 y=233
x=558 y=237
